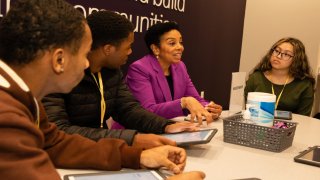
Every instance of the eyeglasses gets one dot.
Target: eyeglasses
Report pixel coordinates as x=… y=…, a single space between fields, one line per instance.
x=283 y=56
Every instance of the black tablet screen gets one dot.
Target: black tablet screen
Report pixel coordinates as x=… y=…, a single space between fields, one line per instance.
x=313 y=155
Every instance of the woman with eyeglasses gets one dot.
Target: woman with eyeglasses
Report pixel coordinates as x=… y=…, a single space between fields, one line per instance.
x=285 y=72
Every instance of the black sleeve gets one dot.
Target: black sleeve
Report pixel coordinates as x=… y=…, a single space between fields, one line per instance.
x=56 y=111
x=130 y=114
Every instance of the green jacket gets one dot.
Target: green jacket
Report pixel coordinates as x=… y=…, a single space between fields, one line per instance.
x=297 y=96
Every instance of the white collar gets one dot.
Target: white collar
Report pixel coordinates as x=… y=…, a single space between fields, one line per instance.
x=14 y=75
x=18 y=80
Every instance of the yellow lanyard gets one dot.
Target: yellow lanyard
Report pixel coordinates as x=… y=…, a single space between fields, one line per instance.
x=278 y=99
x=102 y=102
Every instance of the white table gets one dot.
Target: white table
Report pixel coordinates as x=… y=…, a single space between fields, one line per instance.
x=225 y=161
x=220 y=160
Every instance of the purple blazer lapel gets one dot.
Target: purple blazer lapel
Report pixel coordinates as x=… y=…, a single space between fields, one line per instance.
x=161 y=79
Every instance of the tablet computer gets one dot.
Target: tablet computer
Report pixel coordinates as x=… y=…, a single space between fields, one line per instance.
x=310 y=156
x=118 y=175
x=286 y=115
x=197 y=137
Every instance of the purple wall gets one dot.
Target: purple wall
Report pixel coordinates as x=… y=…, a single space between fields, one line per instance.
x=212 y=35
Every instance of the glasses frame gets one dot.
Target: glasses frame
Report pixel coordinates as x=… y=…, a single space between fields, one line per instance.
x=283 y=56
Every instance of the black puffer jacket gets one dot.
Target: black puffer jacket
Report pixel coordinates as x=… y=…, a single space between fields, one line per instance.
x=79 y=111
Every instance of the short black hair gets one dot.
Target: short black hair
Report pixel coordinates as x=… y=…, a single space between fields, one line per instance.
x=108 y=27
x=32 y=26
x=155 y=32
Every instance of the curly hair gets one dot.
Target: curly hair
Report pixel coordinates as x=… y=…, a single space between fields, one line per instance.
x=299 y=68
x=155 y=32
x=108 y=27
x=32 y=26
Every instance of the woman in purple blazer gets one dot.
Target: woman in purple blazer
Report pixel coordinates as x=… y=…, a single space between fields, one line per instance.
x=160 y=80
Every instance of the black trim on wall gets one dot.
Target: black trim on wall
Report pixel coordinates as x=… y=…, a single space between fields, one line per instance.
x=213 y=38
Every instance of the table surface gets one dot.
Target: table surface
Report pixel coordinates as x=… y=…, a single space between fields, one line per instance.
x=224 y=161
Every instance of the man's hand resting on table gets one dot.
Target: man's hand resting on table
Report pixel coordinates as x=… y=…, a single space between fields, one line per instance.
x=193 y=175
x=147 y=141
x=181 y=127
x=170 y=157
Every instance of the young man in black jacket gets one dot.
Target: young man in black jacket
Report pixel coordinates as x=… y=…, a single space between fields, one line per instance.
x=102 y=93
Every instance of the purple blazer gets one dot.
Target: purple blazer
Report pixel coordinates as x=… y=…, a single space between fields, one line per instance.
x=148 y=84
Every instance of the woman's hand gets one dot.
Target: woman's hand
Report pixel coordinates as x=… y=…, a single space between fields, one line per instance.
x=214 y=109
x=196 y=109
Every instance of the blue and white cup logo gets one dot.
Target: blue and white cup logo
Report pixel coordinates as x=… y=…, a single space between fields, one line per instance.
x=262 y=107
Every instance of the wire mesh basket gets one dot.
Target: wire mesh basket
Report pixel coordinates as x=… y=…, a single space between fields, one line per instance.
x=236 y=131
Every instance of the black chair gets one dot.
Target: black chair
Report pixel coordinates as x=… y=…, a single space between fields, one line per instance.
x=317 y=116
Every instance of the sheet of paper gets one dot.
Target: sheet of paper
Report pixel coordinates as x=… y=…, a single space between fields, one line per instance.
x=238 y=82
